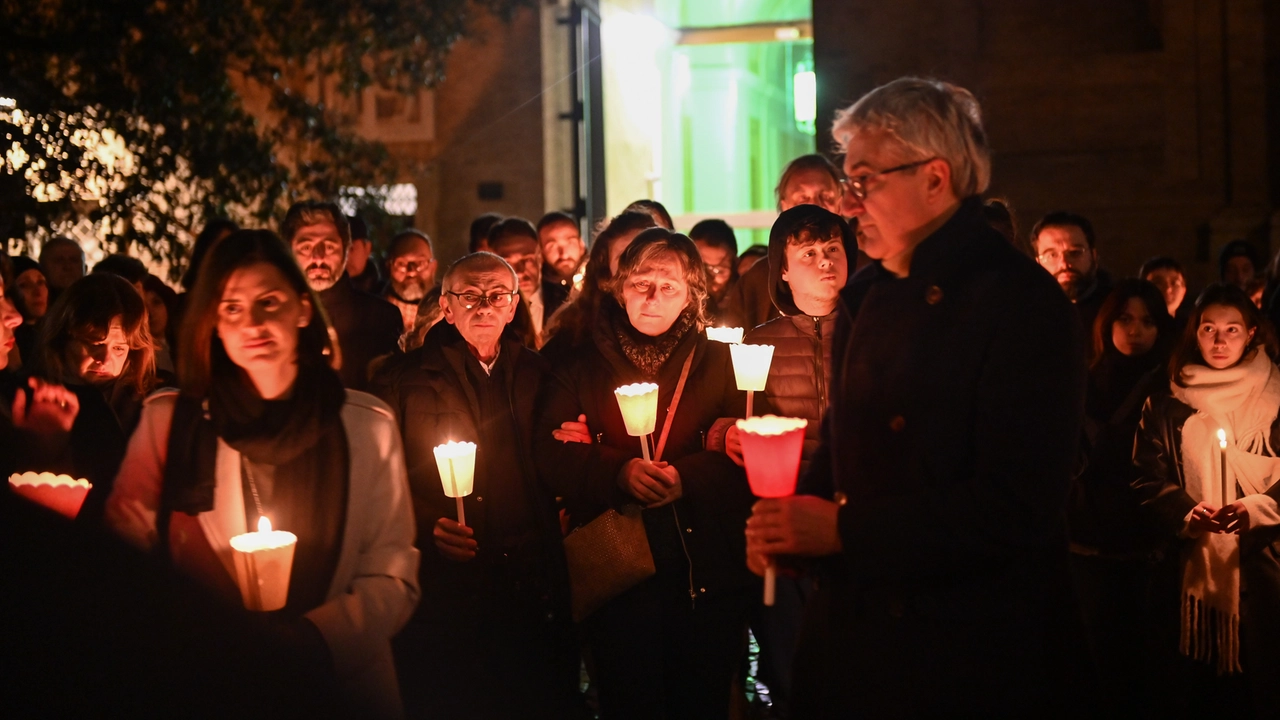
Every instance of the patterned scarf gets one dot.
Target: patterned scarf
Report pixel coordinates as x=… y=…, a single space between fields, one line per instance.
x=647 y=353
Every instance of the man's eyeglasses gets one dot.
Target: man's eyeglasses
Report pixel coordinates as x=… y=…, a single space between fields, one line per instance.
x=858 y=184
x=496 y=300
x=1053 y=257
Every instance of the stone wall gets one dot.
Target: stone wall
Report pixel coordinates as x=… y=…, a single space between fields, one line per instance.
x=1155 y=118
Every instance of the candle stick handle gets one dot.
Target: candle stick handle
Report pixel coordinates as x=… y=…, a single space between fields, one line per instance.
x=1222 y=453
x=644 y=446
x=453 y=482
x=751 y=394
x=770 y=582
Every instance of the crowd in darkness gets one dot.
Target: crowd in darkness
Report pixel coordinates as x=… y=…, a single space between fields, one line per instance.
x=1029 y=486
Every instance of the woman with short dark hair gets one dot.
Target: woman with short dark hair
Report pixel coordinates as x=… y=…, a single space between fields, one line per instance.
x=262 y=427
x=1207 y=465
x=667 y=647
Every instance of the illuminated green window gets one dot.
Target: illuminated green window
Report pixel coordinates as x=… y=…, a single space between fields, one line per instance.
x=706 y=101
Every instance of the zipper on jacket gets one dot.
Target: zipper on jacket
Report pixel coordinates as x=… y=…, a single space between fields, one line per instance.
x=817 y=359
x=693 y=595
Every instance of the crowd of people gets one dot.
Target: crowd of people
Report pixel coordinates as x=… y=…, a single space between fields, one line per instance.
x=1028 y=487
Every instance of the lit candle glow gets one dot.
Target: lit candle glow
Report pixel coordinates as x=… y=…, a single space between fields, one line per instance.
x=771 y=448
x=639 y=405
x=264 y=563
x=60 y=493
x=456 y=462
x=725 y=334
x=751 y=368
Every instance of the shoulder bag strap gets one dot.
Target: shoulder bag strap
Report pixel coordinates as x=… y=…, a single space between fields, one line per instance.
x=675 y=402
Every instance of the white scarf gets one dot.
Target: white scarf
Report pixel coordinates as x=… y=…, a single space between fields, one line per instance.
x=1242 y=400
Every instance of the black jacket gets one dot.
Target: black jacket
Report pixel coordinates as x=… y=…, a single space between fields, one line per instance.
x=959 y=394
x=435 y=402
x=368 y=327
x=1158 y=455
x=1104 y=514
x=957 y=399
x=716 y=501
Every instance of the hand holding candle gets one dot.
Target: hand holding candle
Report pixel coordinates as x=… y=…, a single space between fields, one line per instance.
x=639 y=405
x=264 y=562
x=456 y=462
x=771 y=448
x=751 y=368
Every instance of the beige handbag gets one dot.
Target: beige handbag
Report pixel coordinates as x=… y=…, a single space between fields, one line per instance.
x=611 y=554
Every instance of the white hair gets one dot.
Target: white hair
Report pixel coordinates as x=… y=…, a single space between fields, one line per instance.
x=930 y=118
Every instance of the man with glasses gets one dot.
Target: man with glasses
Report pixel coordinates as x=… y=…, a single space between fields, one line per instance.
x=367 y=326
x=941 y=478
x=411 y=265
x=492 y=636
x=516 y=241
x=718 y=247
x=1065 y=245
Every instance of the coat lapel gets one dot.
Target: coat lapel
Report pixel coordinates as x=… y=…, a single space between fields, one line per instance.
x=227 y=518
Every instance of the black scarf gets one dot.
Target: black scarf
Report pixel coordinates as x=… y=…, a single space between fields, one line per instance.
x=648 y=354
x=303 y=439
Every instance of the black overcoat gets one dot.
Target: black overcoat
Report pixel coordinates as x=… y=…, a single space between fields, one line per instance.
x=435 y=402
x=956 y=408
x=368 y=327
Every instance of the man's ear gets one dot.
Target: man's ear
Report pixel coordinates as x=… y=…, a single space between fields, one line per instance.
x=445 y=310
x=307 y=311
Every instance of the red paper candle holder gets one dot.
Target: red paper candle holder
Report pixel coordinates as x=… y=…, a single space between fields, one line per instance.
x=771 y=448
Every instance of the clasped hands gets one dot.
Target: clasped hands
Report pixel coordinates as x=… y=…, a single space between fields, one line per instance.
x=1207 y=517
x=653 y=483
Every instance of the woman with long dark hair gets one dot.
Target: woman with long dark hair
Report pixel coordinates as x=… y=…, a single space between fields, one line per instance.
x=668 y=646
x=262 y=427
x=1207 y=466
x=1113 y=540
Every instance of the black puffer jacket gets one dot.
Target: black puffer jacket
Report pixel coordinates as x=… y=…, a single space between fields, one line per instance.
x=800 y=374
x=708 y=520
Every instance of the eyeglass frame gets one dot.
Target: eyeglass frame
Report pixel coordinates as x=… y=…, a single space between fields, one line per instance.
x=485 y=299
x=857 y=185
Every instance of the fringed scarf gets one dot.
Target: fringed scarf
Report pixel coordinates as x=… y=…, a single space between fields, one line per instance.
x=1242 y=400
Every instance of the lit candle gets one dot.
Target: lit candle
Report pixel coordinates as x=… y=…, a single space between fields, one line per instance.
x=639 y=405
x=456 y=462
x=771 y=448
x=1222 y=457
x=725 y=334
x=264 y=562
x=59 y=493
x=751 y=368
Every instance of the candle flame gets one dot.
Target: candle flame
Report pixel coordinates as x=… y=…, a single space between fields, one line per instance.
x=1222 y=438
x=264 y=525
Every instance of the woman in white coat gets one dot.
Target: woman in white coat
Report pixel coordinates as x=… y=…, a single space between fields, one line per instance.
x=263 y=427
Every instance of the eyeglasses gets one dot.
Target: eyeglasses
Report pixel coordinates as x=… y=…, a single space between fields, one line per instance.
x=496 y=300
x=1053 y=257
x=858 y=184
